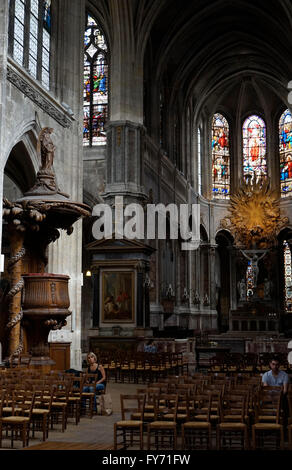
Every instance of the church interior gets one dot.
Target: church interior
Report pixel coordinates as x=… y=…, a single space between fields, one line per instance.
x=143 y=103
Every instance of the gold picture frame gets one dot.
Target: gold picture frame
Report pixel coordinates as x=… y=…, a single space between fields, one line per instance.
x=118 y=297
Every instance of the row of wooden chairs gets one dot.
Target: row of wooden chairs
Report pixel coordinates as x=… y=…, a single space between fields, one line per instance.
x=51 y=400
x=246 y=362
x=243 y=415
x=142 y=367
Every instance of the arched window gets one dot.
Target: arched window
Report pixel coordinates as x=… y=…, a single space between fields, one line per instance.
x=285 y=149
x=254 y=148
x=287 y=277
x=199 y=161
x=220 y=157
x=95 y=84
x=30 y=37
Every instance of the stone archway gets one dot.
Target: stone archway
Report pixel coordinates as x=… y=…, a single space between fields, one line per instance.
x=19 y=176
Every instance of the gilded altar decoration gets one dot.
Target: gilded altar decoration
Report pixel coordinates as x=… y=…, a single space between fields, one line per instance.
x=254 y=215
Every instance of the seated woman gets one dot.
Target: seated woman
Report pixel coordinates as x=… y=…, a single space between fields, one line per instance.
x=95 y=368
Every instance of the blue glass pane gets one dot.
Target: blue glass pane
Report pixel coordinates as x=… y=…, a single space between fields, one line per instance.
x=47 y=15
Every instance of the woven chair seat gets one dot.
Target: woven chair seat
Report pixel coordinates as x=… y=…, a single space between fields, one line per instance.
x=59 y=404
x=267 y=426
x=149 y=407
x=195 y=424
x=214 y=417
x=40 y=411
x=129 y=423
x=266 y=418
x=232 y=417
x=200 y=417
x=232 y=425
x=163 y=424
x=15 y=419
x=8 y=409
x=136 y=416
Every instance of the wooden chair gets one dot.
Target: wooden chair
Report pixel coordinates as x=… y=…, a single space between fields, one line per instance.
x=41 y=411
x=196 y=431
x=18 y=422
x=75 y=385
x=289 y=420
x=59 y=404
x=268 y=428
x=163 y=430
x=232 y=430
x=126 y=371
x=87 y=397
x=130 y=430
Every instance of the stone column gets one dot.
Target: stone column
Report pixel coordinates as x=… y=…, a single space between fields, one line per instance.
x=125 y=148
x=212 y=280
x=4 y=19
x=65 y=256
x=233 y=286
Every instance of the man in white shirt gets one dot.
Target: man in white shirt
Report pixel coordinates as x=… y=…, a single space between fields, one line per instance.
x=275 y=376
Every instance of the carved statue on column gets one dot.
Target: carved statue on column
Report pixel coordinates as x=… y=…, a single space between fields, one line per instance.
x=241 y=286
x=46 y=148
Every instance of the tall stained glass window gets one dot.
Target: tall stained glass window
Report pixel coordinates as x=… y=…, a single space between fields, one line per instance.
x=254 y=148
x=220 y=157
x=288 y=277
x=95 y=84
x=249 y=280
x=199 y=161
x=30 y=37
x=285 y=148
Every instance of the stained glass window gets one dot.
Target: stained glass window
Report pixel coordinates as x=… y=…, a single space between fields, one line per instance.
x=30 y=37
x=249 y=280
x=288 y=277
x=285 y=148
x=95 y=111
x=199 y=161
x=220 y=157
x=254 y=148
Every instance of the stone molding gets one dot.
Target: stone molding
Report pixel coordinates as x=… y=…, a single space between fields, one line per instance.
x=20 y=79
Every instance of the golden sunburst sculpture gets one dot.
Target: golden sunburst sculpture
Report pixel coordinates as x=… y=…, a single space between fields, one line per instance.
x=254 y=215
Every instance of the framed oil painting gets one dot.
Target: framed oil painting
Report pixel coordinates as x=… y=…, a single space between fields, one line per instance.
x=118 y=299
